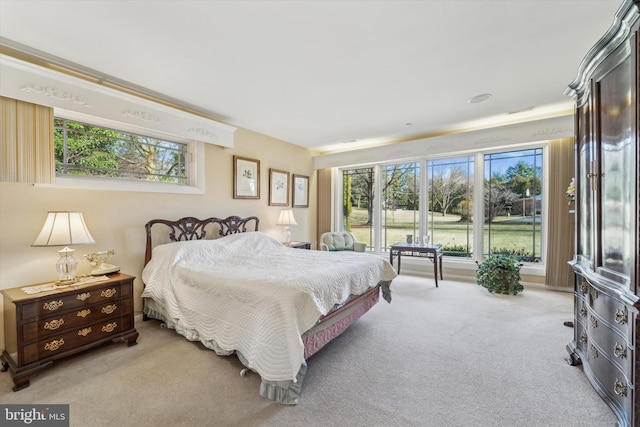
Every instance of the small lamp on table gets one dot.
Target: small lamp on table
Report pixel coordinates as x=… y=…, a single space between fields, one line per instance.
x=63 y=228
x=286 y=218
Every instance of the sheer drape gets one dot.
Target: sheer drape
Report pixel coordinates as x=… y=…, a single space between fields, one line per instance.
x=560 y=240
x=26 y=142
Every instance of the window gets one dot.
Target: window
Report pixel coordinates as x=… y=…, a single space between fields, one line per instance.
x=384 y=203
x=450 y=220
x=400 y=203
x=357 y=207
x=513 y=204
x=92 y=151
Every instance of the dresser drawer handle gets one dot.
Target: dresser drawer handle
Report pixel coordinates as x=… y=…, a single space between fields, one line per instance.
x=108 y=309
x=84 y=332
x=594 y=352
x=54 y=324
x=619 y=388
x=109 y=327
x=108 y=293
x=84 y=313
x=583 y=311
x=84 y=296
x=53 y=305
x=583 y=338
x=619 y=351
x=54 y=345
x=620 y=317
x=583 y=288
x=594 y=322
x=593 y=293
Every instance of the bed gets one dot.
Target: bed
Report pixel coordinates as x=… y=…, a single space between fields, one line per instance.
x=236 y=290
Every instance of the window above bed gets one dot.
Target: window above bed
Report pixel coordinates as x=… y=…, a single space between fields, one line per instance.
x=86 y=150
x=96 y=154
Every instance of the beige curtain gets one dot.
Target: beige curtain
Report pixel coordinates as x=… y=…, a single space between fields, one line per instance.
x=26 y=142
x=324 y=202
x=560 y=240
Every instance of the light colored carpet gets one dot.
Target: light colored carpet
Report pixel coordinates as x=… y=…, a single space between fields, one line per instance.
x=448 y=356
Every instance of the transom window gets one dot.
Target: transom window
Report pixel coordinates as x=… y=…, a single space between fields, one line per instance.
x=87 y=150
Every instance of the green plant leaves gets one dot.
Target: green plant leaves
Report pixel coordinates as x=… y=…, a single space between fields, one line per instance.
x=500 y=274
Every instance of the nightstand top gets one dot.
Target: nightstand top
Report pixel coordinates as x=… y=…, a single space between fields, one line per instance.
x=17 y=294
x=300 y=245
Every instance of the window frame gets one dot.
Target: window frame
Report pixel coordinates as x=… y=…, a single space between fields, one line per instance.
x=195 y=162
x=537 y=269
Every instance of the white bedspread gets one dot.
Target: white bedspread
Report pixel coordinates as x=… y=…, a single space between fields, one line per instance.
x=251 y=294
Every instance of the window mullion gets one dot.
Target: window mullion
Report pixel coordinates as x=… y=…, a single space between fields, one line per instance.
x=424 y=198
x=478 y=207
x=377 y=208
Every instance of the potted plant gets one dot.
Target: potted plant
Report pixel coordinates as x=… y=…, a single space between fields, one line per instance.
x=500 y=274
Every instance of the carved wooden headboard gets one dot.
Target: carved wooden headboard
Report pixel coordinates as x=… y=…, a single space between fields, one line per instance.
x=190 y=228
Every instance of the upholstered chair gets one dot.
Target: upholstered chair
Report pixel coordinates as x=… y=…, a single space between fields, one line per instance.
x=340 y=241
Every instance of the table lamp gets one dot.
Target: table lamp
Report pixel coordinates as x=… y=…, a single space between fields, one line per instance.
x=63 y=228
x=286 y=218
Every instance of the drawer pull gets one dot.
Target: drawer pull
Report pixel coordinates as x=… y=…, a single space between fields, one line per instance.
x=54 y=345
x=593 y=293
x=108 y=293
x=108 y=309
x=594 y=322
x=84 y=296
x=53 y=305
x=620 y=317
x=109 y=327
x=594 y=352
x=583 y=288
x=583 y=310
x=54 y=324
x=84 y=313
x=619 y=351
x=583 y=338
x=84 y=332
x=619 y=388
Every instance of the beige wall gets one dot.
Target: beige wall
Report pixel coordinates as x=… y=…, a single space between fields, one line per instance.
x=116 y=218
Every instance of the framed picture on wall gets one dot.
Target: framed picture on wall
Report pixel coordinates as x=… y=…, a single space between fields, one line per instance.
x=278 y=188
x=246 y=178
x=300 y=192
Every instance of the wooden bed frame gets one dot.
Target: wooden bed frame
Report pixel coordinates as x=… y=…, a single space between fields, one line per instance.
x=328 y=327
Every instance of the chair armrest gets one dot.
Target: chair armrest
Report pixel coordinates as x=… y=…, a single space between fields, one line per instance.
x=324 y=247
x=359 y=246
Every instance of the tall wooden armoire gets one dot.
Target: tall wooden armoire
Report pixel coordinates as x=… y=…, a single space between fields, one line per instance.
x=607 y=290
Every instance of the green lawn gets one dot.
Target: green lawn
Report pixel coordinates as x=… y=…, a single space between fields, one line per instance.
x=513 y=233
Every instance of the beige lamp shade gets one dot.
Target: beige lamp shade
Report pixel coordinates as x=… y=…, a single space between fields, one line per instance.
x=286 y=217
x=62 y=228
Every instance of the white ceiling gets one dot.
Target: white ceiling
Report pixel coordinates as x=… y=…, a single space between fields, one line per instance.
x=321 y=73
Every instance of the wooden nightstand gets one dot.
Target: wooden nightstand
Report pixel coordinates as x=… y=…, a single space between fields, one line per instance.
x=300 y=245
x=43 y=327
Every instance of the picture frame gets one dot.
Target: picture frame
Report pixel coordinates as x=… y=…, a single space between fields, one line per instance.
x=300 y=191
x=278 y=187
x=246 y=178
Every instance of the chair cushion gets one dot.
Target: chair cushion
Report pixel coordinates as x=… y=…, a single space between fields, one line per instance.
x=338 y=241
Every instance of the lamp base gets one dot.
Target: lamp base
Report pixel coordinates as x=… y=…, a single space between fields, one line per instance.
x=65 y=282
x=287 y=236
x=66 y=265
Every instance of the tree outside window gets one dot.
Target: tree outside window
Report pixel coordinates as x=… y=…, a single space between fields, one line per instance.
x=86 y=150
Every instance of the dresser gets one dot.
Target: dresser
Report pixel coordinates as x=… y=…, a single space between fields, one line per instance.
x=45 y=326
x=607 y=289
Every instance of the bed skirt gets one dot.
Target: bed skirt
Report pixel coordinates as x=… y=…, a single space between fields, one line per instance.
x=328 y=327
